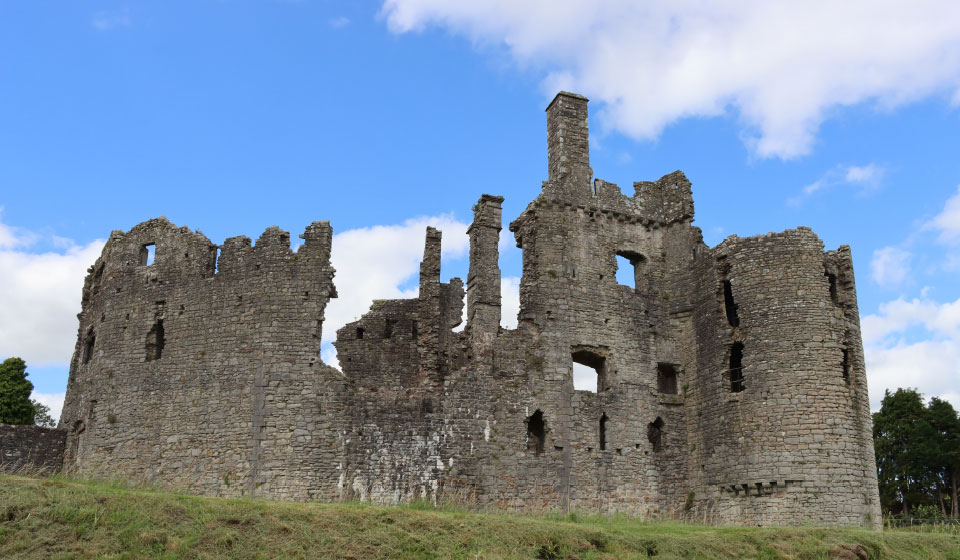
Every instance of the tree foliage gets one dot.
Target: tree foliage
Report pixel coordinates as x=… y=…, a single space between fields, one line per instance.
x=15 y=389
x=41 y=415
x=918 y=453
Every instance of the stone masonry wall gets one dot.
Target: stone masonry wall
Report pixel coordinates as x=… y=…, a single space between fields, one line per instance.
x=730 y=381
x=31 y=448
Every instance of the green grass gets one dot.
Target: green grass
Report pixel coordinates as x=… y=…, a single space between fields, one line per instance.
x=63 y=518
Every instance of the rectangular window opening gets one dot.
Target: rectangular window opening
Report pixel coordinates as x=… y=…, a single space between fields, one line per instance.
x=388 y=328
x=630 y=269
x=736 y=367
x=88 y=347
x=147 y=254
x=845 y=364
x=359 y=333
x=155 y=342
x=667 y=379
x=730 y=306
x=832 y=279
x=603 y=432
x=588 y=371
x=536 y=433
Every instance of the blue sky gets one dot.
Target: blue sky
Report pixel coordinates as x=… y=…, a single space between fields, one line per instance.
x=383 y=117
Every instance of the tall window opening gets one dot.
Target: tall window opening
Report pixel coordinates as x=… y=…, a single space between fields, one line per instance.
x=736 y=367
x=155 y=342
x=388 y=328
x=846 y=365
x=536 y=433
x=147 y=254
x=588 y=371
x=603 y=432
x=667 y=379
x=832 y=279
x=630 y=268
x=359 y=333
x=655 y=433
x=731 y=306
x=88 y=345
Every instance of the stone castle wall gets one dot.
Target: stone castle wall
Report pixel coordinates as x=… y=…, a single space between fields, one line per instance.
x=730 y=381
x=28 y=449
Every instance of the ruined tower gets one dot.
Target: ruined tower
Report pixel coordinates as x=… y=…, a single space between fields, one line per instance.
x=730 y=381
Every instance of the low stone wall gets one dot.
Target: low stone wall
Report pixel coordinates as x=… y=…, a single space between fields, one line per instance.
x=31 y=447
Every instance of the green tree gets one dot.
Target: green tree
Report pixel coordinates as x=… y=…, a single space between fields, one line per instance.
x=902 y=440
x=41 y=415
x=15 y=389
x=945 y=457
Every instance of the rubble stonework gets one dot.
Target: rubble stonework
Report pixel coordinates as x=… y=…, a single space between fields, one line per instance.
x=29 y=449
x=731 y=380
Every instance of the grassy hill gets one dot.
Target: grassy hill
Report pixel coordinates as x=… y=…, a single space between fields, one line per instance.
x=62 y=518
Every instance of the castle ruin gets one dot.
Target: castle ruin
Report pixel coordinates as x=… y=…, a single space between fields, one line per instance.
x=730 y=380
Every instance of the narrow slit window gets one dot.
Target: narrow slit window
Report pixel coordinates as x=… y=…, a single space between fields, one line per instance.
x=731 y=306
x=88 y=346
x=845 y=364
x=147 y=254
x=413 y=330
x=736 y=367
x=667 y=379
x=589 y=371
x=603 y=432
x=155 y=342
x=655 y=434
x=536 y=433
x=832 y=279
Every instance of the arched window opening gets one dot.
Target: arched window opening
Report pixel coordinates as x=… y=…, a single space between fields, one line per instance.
x=88 y=345
x=147 y=254
x=655 y=433
x=589 y=371
x=667 y=379
x=736 y=367
x=155 y=342
x=731 y=306
x=536 y=433
x=603 y=432
x=630 y=269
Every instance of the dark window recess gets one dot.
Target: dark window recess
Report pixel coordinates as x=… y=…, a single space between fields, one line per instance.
x=413 y=330
x=536 y=433
x=630 y=269
x=667 y=379
x=846 y=365
x=88 y=345
x=603 y=432
x=388 y=327
x=147 y=254
x=655 y=433
x=832 y=278
x=155 y=341
x=594 y=361
x=731 y=306
x=736 y=367
x=359 y=333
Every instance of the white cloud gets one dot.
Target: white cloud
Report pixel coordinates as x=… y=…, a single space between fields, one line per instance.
x=107 y=20
x=931 y=363
x=865 y=177
x=376 y=262
x=509 y=301
x=339 y=22
x=890 y=266
x=53 y=401
x=781 y=66
x=947 y=222
x=40 y=297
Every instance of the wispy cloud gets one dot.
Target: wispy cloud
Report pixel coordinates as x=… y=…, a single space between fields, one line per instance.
x=865 y=178
x=947 y=222
x=111 y=19
x=782 y=67
x=890 y=266
x=338 y=22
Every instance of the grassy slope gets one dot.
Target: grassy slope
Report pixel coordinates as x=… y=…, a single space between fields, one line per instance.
x=60 y=518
